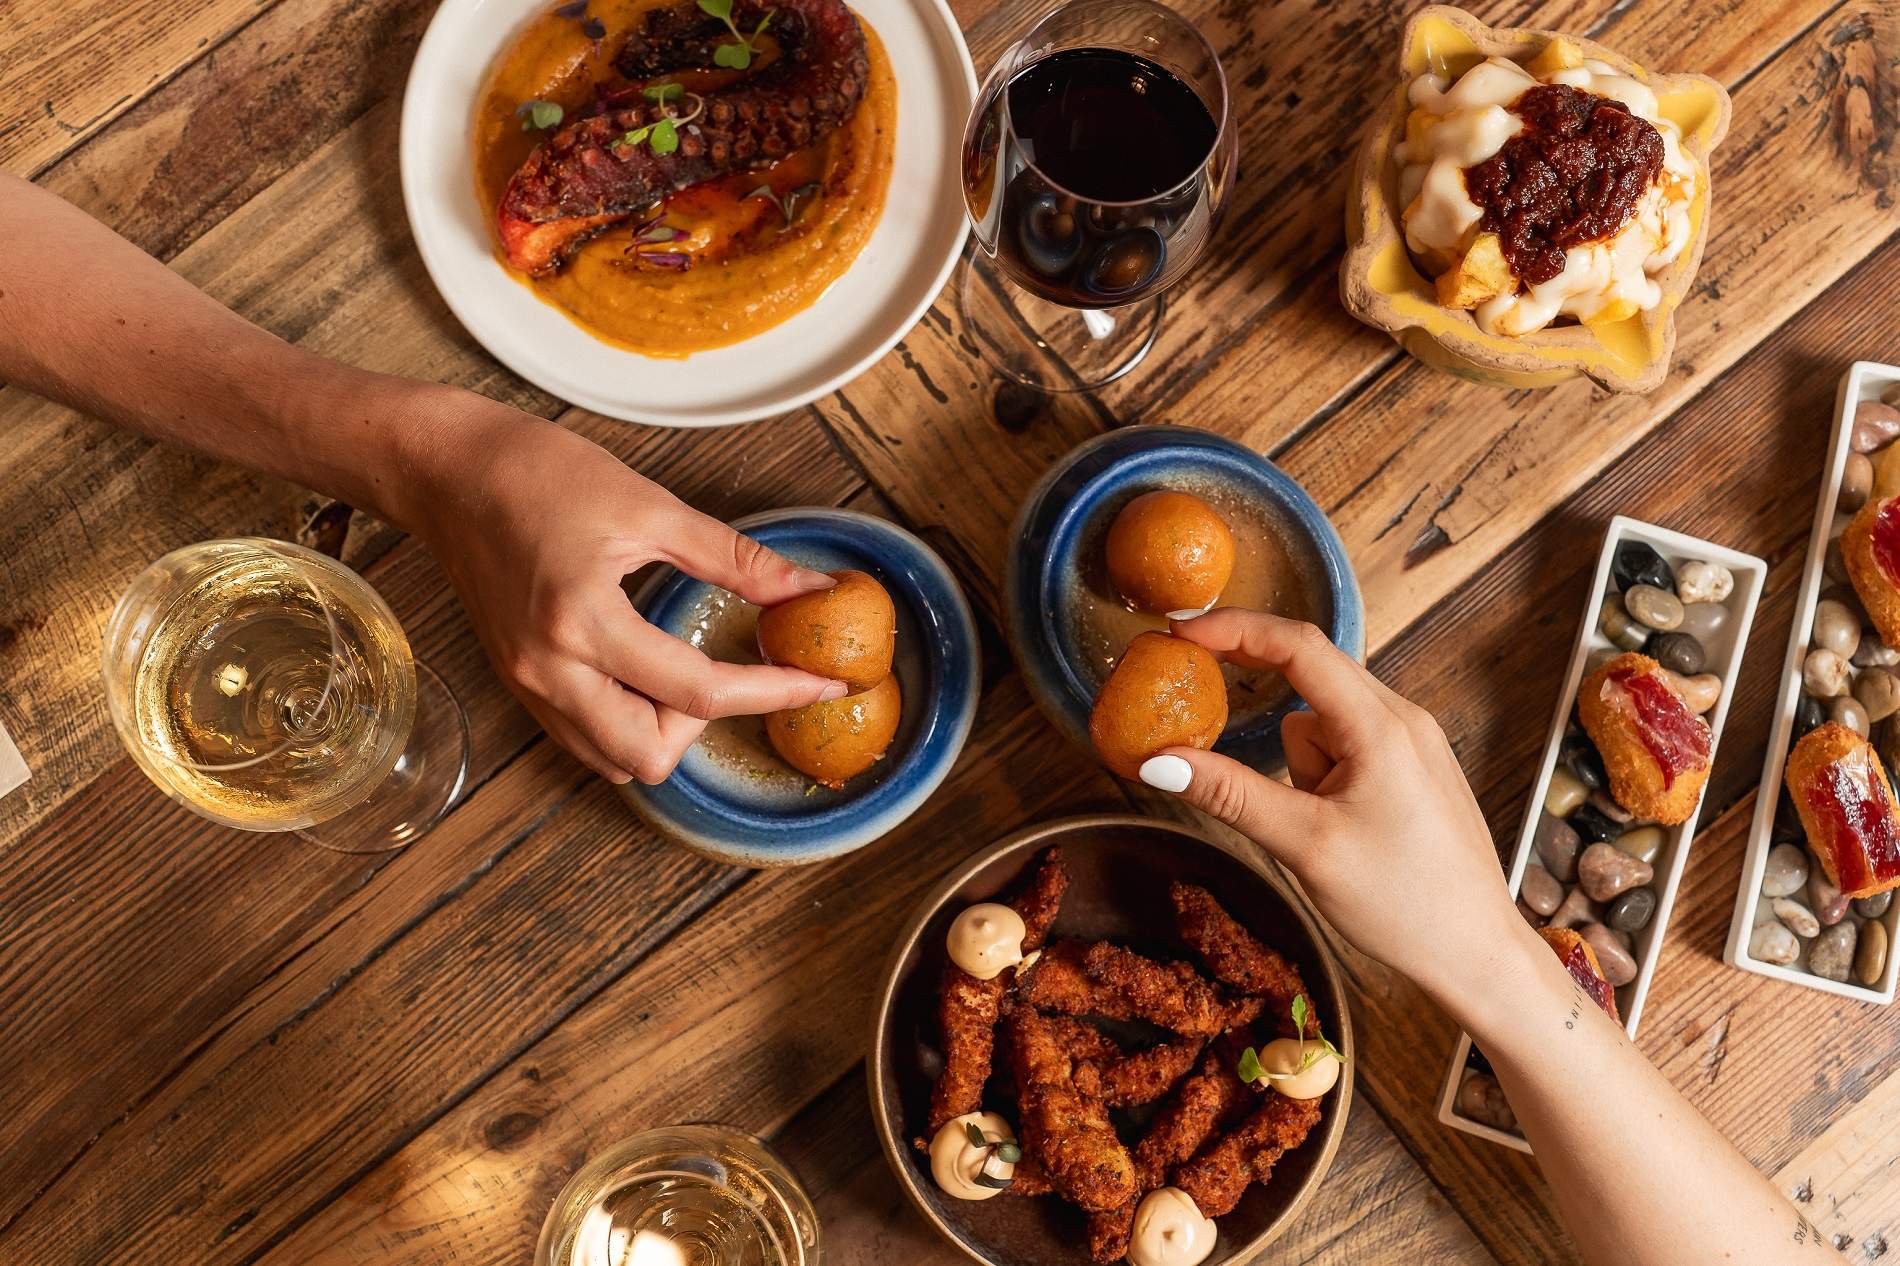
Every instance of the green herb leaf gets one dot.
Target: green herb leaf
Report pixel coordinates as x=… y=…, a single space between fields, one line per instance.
x=721 y=9
x=636 y=136
x=732 y=56
x=1299 y=1012
x=973 y=1130
x=660 y=94
x=990 y=1180
x=1008 y=1153
x=760 y=28
x=1249 y=1068
x=666 y=137
x=539 y=115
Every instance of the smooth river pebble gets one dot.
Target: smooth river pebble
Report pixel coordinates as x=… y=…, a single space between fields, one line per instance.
x=1620 y=626
x=1592 y=824
x=1632 y=911
x=1637 y=564
x=1557 y=845
x=1874 y=653
x=1836 y=628
x=1679 y=653
x=1876 y=423
x=1857 y=481
x=1875 y=906
x=1541 y=891
x=1832 y=954
x=1701 y=691
x=1787 y=870
x=1658 y=608
x=1823 y=673
x=1645 y=843
x=1576 y=909
x=1870 y=956
x=1796 y=917
x=1565 y=793
x=1772 y=943
x=1809 y=712
x=1619 y=965
x=1604 y=871
x=1580 y=756
x=1482 y=1100
x=1828 y=902
x=1704 y=582
x=1879 y=692
x=1603 y=803
x=1703 y=620
x=1846 y=710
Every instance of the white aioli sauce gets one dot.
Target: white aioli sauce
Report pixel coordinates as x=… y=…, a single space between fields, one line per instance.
x=1170 y=1231
x=955 y=1160
x=987 y=939
x=1283 y=1055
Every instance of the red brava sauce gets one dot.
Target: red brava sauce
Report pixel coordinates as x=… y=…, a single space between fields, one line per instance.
x=1863 y=840
x=1885 y=540
x=1677 y=739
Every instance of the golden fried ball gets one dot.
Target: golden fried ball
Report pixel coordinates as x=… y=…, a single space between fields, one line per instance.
x=1165 y=692
x=835 y=741
x=1169 y=552
x=846 y=632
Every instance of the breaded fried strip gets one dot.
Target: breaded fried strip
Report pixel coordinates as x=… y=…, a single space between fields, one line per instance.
x=1236 y=957
x=1059 y=984
x=1206 y=1101
x=1217 y=1178
x=1173 y=995
x=967 y=1008
x=1067 y=1131
x=1083 y=1041
x=1126 y=1080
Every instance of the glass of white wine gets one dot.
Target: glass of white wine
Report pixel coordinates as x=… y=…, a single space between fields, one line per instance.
x=685 y=1195
x=268 y=687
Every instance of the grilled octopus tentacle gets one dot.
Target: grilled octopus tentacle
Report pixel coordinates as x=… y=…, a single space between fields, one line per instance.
x=581 y=180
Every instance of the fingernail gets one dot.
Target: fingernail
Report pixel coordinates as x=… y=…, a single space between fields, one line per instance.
x=1167 y=773
x=836 y=690
x=806 y=578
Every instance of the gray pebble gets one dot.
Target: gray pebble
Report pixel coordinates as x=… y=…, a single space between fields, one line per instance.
x=1619 y=965
x=1832 y=955
x=1834 y=564
x=1565 y=793
x=1787 y=871
x=1657 y=608
x=1878 y=691
x=1603 y=802
x=1796 y=917
x=1836 y=627
x=1557 y=844
x=1645 y=843
x=1772 y=943
x=1874 y=653
x=1605 y=871
x=1679 y=653
x=1481 y=1099
x=1540 y=890
x=1576 y=909
x=1599 y=657
x=1846 y=710
x=1703 y=620
x=1857 y=483
x=1620 y=627
x=1875 y=906
x=1632 y=911
x=1870 y=956
x=1704 y=582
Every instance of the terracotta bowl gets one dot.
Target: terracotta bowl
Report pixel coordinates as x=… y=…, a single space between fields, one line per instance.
x=1382 y=286
x=1120 y=868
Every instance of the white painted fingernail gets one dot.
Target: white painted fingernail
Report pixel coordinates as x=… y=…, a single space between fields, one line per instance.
x=1187 y=615
x=1168 y=773
x=836 y=690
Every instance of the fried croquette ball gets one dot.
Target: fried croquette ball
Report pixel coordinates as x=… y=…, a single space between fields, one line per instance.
x=1165 y=692
x=1169 y=553
x=835 y=741
x=847 y=632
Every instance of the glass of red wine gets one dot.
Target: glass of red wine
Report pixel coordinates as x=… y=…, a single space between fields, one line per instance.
x=1095 y=167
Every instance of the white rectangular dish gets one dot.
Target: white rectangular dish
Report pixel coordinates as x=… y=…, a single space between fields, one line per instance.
x=1724 y=657
x=1864 y=380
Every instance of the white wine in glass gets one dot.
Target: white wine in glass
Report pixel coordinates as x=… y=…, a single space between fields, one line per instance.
x=268 y=687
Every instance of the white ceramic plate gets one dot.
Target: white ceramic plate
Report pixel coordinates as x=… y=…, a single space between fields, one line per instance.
x=1864 y=380
x=857 y=320
x=1725 y=660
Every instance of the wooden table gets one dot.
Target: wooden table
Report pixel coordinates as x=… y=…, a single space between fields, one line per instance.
x=222 y=1048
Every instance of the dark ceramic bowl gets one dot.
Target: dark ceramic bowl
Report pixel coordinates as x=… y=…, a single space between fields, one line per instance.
x=765 y=815
x=1055 y=566
x=1120 y=868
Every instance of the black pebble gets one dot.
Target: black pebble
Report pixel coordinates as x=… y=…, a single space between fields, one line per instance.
x=1594 y=825
x=1678 y=652
x=1808 y=715
x=1638 y=564
x=1632 y=911
x=1477 y=1060
x=1788 y=828
x=1581 y=757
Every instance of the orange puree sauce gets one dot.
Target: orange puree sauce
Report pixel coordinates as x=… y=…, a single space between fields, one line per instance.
x=750 y=269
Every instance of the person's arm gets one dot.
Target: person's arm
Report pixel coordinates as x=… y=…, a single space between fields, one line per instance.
x=535 y=525
x=1382 y=831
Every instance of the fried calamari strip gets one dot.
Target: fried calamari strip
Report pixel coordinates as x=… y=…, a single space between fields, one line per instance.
x=1127 y=1080
x=1218 y=1177
x=1208 y=1100
x=1067 y=1131
x=967 y=1008
x=1235 y=956
x=1172 y=995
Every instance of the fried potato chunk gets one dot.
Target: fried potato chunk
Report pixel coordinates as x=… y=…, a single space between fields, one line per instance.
x=1482 y=275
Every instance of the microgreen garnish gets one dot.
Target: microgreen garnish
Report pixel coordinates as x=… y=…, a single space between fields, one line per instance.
x=663 y=134
x=538 y=115
x=1007 y=1151
x=736 y=55
x=1249 y=1068
x=660 y=94
x=791 y=204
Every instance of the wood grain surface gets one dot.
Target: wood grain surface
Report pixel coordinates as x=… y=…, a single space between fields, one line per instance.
x=228 y=1049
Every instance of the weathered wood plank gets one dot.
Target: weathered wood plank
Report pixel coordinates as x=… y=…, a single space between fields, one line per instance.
x=68 y=69
x=1844 y=1181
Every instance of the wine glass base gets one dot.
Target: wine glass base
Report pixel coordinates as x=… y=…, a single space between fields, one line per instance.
x=1019 y=333
x=424 y=785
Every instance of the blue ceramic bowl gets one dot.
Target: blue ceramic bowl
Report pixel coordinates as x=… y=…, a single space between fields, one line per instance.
x=1056 y=573
x=731 y=798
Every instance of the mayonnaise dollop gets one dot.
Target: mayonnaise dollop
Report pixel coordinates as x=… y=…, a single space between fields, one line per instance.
x=1283 y=1055
x=955 y=1161
x=1170 y=1230
x=986 y=940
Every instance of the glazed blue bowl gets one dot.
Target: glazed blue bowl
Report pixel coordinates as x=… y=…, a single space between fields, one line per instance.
x=758 y=811
x=1056 y=570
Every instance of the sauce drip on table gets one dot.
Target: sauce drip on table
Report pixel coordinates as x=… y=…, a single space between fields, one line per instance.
x=1863 y=838
x=1573 y=175
x=1677 y=739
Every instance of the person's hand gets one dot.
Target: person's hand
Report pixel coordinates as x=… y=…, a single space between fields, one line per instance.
x=536 y=527
x=1379 y=826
